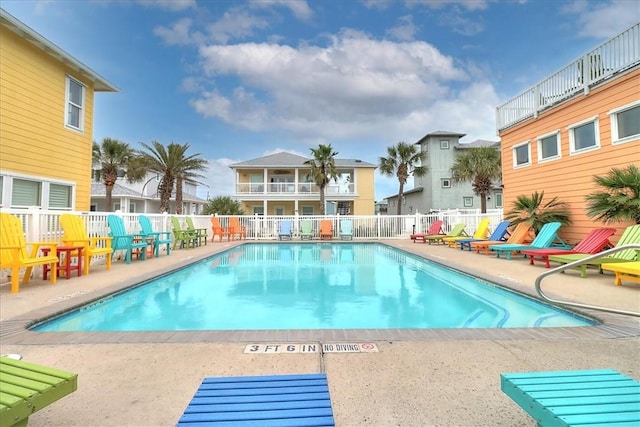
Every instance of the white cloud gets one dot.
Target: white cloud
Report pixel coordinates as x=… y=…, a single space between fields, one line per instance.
x=219 y=178
x=438 y=4
x=179 y=33
x=603 y=19
x=299 y=8
x=405 y=30
x=235 y=24
x=172 y=5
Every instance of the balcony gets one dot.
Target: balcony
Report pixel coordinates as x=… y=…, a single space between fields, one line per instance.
x=293 y=189
x=613 y=57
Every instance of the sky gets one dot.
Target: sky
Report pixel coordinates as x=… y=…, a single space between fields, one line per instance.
x=238 y=80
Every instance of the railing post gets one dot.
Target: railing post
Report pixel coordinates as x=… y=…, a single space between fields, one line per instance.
x=33 y=231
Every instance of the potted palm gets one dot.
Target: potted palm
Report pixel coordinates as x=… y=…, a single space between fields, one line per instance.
x=618 y=198
x=535 y=211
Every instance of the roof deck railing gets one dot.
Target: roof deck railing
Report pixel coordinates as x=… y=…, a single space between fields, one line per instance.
x=613 y=57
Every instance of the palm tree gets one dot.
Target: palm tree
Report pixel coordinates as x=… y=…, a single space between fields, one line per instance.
x=173 y=164
x=323 y=169
x=481 y=166
x=223 y=205
x=619 y=199
x=115 y=159
x=534 y=211
x=402 y=162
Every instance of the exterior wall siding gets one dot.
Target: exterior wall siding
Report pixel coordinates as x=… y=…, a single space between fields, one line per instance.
x=34 y=140
x=570 y=177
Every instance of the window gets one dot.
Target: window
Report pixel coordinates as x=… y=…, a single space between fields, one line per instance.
x=445 y=182
x=549 y=146
x=584 y=136
x=522 y=155
x=307 y=210
x=625 y=123
x=74 y=108
x=258 y=210
x=26 y=193
x=279 y=211
x=467 y=202
x=498 y=197
x=60 y=196
x=444 y=144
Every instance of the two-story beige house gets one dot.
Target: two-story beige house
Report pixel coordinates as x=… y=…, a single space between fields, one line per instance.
x=46 y=121
x=279 y=184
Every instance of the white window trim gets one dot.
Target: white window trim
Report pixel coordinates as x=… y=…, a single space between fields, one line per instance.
x=464 y=201
x=558 y=146
x=444 y=144
x=614 y=124
x=596 y=131
x=7 y=190
x=515 y=157
x=442 y=180
x=82 y=107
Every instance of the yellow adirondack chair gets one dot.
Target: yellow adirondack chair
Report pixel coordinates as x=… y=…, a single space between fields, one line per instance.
x=75 y=234
x=481 y=233
x=14 y=255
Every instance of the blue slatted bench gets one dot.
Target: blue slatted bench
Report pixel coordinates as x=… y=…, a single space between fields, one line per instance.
x=261 y=401
x=574 y=398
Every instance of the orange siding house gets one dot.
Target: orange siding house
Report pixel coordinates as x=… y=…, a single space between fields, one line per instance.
x=46 y=121
x=576 y=124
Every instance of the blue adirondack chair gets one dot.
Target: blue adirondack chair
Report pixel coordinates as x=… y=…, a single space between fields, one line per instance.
x=285 y=230
x=159 y=237
x=122 y=240
x=498 y=234
x=346 y=229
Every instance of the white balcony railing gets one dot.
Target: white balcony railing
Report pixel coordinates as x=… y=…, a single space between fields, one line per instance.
x=610 y=58
x=291 y=188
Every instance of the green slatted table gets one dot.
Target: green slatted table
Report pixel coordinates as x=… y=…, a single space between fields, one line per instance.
x=576 y=398
x=26 y=388
x=261 y=401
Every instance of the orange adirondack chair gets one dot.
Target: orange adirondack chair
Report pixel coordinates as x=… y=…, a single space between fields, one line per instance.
x=218 y=230
x=326 y=229
x=235 y=229
x=521 y=234
x=14 y=255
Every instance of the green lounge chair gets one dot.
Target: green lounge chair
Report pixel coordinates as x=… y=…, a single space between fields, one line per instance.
x=201 y=233
x=123 y=240
x=184 y=237
x=631 y=235
x=306 y=229
x=159 y=237
x=27 y=387
x=547 y=237
x=456 y=231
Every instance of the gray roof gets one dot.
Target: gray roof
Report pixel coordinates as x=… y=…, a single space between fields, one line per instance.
x=98 y=190
x=440 y=133
x=478 y=143
x=404 y=193
x=288 y=160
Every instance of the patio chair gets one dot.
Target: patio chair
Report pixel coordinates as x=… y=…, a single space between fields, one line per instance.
x=546 y=238
x=75 y=234
x=218 y=230
x=435 y=229
x=631 y=235
x=624 y=270
x=306 y=229
x=346 y=229
x=201 y=233
x=456 y=231
x=125 y=241
x=481 y=233
x=14 y=254
x=186 y=238
x=521 y=234
x=571 y=398
x=270 y=400
x=236 y=229
x=284 y=231
x=159 y=237
x=26 y=388
x=498 y=235
x=326 y=229
x=592 y=243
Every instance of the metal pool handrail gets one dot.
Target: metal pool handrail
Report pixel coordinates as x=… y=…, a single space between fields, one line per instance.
x=564 y=267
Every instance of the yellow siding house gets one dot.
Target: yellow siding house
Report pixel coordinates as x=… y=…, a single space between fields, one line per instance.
x=46 y=121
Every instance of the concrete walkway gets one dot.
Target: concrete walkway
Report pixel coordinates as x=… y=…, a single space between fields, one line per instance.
x=444 y=377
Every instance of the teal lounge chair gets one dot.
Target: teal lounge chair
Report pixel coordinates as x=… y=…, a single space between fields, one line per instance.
x=306 y=229
x=125 y=241
x=499 y=234
x=284 y=231
x=346 y=229
x=546 y=238
x=630 y=236
x=159 y=237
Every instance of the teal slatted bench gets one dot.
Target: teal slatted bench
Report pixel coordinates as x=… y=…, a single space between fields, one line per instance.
x=575 y=398
x=261 y=401
x=27 y=387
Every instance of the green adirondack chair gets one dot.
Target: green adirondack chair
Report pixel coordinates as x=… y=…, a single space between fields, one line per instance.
x=159 y=237
x=201 y=233
x=122 y=240
x=184 y=237
x=306 y=229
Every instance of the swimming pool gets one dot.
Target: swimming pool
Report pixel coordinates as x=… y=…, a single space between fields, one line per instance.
x=313 y=286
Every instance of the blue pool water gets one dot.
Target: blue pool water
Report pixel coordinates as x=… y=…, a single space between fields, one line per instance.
x=313 y=286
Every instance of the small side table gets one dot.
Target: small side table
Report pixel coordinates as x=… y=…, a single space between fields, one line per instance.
x=64 y=254
x=150 y=246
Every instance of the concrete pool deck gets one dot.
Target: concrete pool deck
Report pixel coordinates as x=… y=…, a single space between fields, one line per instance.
x=418 y=378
